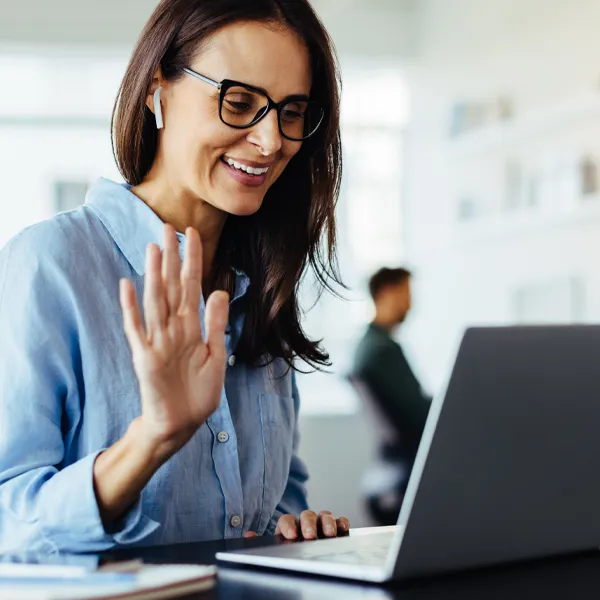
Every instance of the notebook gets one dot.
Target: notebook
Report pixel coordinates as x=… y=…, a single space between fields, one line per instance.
x=118 y=582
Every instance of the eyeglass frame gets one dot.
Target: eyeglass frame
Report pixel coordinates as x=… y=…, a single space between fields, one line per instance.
x=225 y=84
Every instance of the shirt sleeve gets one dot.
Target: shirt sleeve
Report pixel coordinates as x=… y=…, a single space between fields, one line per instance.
x=45 y=505
x=294 y=499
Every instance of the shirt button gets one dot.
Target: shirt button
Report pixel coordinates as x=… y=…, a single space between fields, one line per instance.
x=222 y=436
x=235 y=521
x=231 y=360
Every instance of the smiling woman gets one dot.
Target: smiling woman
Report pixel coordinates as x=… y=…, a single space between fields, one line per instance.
x=279 y=47
x=175 y=419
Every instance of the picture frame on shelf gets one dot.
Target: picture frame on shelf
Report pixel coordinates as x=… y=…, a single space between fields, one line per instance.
x=588 y=176
x=68 y=195
x=550 y=301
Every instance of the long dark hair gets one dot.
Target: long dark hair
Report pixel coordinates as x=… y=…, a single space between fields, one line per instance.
x=295 y=227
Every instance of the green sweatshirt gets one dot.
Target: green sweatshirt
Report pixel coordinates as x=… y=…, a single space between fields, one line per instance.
x=380 y=364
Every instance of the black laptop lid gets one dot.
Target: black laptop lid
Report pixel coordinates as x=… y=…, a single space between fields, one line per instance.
x=513 y=466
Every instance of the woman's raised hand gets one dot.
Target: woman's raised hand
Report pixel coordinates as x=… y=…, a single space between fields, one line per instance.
x=180 y=372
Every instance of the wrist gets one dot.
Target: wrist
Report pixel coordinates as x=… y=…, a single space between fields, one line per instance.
x=156 y=450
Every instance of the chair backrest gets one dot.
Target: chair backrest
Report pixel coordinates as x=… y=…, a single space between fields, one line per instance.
x=386 y=432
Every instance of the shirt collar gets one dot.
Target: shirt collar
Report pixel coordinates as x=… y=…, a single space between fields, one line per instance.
x=133 y=225
x=380 y=330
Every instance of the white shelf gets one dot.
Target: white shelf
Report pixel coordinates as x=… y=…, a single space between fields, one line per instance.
x=506 y=134
x=525 y=222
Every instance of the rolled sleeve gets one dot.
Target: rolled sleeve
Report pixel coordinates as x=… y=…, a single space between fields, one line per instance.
x=72 y=520
x=45 y=502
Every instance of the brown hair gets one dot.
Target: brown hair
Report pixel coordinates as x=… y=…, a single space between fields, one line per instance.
x=295 y=227
x=385 y=277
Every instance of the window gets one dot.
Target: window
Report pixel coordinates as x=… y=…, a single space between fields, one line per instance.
x=54 y=131
x=374 y=115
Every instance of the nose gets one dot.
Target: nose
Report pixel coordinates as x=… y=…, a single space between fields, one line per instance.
x=265 y=135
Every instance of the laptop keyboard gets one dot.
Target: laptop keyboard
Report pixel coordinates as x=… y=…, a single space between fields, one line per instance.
x=375 y=556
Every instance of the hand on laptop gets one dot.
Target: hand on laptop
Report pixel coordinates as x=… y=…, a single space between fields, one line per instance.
x=310 y=526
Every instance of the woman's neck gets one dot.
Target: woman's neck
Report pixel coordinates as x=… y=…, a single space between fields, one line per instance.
x=182 y=210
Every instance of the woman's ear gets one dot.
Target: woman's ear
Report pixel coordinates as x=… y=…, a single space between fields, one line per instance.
x=154 y=100
x=158 y=81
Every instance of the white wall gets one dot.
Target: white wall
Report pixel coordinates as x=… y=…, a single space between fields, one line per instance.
x=337 y=450
x=360 y=28
x=66 y=22
x=544 y=55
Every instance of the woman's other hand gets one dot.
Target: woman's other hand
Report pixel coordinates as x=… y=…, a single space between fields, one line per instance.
x=310 y=526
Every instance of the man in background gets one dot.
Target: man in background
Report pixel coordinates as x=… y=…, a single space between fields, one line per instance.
x=387 y=383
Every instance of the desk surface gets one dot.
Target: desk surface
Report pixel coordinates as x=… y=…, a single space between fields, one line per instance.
x=565 y=579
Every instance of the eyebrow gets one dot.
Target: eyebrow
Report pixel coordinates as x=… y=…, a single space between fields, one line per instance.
x=289 y=97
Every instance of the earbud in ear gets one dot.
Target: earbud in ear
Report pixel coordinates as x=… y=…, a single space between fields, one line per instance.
x=158 y=109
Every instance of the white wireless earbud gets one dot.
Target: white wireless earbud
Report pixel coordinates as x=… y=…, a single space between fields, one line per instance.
x=158 y=109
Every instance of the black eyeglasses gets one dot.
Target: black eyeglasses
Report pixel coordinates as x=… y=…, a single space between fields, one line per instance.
x=242 y=106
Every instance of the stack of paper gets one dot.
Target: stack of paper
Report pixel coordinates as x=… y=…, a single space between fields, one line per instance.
x=61 y=582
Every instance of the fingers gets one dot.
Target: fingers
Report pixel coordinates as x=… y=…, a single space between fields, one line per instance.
x=132 y=319
x=343 y=526
x=328 y=525
x=217 y=315
x=308 y=524
x=312 y=525
x=250 y=534
x=155 y=302
x=171 y=269
x=191 y=274
x=287 y=527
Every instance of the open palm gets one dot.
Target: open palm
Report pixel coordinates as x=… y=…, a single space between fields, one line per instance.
x=180 y=373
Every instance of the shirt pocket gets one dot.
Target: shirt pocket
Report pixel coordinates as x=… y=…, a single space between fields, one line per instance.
x=277 y=425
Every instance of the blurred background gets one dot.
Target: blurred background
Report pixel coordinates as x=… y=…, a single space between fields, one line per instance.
x=471 y=134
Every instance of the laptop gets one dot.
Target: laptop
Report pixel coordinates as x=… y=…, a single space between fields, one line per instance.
x=508 y=468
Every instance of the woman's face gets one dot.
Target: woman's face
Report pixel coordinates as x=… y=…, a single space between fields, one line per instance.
x=195 y=144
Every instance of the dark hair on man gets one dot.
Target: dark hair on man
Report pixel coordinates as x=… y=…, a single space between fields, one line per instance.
x=386 y=276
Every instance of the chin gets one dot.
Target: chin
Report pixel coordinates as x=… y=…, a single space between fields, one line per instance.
x=242 y=207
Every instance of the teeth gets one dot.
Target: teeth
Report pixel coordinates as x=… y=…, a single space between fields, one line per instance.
x=250 y=170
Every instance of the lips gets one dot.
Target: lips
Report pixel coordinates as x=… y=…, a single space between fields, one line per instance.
x=243 y=177
x=248 y=166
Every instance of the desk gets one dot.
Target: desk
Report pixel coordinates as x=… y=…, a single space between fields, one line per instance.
x=572 y=578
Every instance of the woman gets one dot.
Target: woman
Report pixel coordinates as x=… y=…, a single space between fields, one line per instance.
x=135 y=430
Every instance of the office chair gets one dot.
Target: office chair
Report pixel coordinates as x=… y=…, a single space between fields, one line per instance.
x=384 y=484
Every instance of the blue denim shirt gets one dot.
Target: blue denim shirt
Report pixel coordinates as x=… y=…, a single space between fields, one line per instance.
x=68 y=391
